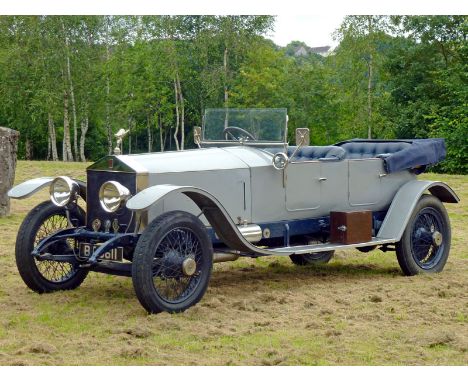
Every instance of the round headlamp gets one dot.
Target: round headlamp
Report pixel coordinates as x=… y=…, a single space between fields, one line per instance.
x=63 y=190
x=280 y=161
x=112 y=194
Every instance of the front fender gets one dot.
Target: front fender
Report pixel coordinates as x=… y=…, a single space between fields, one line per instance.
x=30 y=187
x=213 y=210
x=404 y=202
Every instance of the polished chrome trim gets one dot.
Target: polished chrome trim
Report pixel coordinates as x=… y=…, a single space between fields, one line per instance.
x=284 y=156
x=252 y=232
x=122 y=192
x=302 y=136
x=73 y=190
x=304 y=249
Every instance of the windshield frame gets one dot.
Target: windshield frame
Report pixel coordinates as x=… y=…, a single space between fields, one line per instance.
x=209 y=142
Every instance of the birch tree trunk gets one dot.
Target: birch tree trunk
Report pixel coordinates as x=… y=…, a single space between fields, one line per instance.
x=369 y=99
x=73 y=106
x=72 y=92
x=161 y=142
x=176 y=92
x=53 y=138
x=8 y=150
x=84 y=129
x=48 y=148
x=130 y=126
x=66 y=147
x=182 y=112
x=148 y=130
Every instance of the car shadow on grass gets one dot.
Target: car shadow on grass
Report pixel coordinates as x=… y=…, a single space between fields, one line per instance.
x=310 y=273
x=107 y=291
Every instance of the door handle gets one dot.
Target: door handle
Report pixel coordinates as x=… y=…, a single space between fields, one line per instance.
x=382 y=175
x=322 y=179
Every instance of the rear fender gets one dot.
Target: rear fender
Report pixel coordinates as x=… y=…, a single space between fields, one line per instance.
x=404 y=202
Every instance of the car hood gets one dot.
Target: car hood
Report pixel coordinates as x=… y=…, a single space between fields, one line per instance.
x=204 y=159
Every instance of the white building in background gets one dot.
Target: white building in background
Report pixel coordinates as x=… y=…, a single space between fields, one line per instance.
x=305 y=51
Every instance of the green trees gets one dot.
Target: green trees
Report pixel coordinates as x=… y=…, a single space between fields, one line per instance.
x=68 y=83
x=429 y=84
x=404 y=77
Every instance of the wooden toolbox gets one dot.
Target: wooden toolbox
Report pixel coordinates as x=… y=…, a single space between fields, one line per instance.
x=350 y=227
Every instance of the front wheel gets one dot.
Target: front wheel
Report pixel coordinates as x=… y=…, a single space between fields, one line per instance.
x=425 y=244
x=172 y=263
x=45 y=276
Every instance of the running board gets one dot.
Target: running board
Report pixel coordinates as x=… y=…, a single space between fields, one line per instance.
x=304 y=249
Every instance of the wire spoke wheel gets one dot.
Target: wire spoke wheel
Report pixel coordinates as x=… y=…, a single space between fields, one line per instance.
x=427 y=242
x=172 y=281
x=172 y=263
x=48 y=275
x=55 y=271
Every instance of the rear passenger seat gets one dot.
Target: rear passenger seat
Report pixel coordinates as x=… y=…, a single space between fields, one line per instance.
x=369 y=149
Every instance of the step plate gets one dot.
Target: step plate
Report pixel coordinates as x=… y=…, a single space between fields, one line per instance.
x=303 y=249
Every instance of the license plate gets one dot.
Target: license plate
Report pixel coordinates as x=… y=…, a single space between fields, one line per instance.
x=115 y=254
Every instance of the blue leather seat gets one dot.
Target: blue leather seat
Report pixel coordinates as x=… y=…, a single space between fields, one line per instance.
x=306 y=153
x=369 y=149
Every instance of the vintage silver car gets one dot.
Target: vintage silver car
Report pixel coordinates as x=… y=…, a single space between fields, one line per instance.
x=165 y=218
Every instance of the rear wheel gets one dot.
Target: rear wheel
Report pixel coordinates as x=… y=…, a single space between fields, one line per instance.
x=172 y=263
x=425 y=244
x=45 y=276
x=312 y=258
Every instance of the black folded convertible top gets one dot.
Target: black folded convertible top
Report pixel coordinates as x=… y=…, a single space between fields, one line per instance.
x=415 y=154
x=422 y=152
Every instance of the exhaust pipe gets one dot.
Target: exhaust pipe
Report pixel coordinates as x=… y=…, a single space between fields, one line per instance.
x=221 y=257
x=251 y=233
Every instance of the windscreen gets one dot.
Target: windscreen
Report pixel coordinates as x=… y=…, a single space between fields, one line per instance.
x=251 y=125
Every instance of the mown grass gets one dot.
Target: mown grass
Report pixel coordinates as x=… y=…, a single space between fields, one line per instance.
x=357 y=310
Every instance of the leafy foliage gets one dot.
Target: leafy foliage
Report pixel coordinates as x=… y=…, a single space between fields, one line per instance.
x=389 y=77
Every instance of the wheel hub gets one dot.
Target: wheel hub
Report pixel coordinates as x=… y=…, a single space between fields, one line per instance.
x=437 y=238
x=176 y=265
x=189 y=266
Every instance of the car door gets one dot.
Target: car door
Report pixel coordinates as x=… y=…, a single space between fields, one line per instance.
x=365 y=178
x=303 y=186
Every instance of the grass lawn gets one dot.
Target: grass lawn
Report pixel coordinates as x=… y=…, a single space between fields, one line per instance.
x=357 y=310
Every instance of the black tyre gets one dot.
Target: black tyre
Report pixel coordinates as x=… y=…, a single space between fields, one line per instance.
x=312 y=258
x=172 y=263
x=44 y=276
x=425 y=244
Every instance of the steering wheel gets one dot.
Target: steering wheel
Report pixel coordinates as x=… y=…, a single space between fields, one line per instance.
x=241 y=133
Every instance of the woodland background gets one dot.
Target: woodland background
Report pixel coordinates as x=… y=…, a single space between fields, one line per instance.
x=68 y=83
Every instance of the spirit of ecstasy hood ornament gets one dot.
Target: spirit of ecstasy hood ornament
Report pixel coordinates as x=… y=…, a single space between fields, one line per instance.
x=120 y=135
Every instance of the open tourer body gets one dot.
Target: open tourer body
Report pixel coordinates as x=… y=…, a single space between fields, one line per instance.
x=164 y=218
